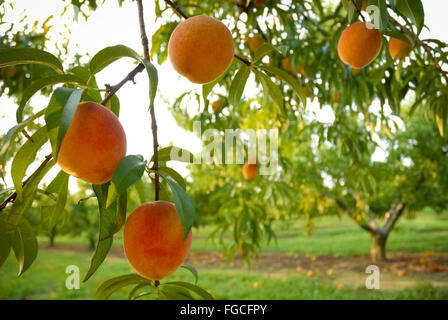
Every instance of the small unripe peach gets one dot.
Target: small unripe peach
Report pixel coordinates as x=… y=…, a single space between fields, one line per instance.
x=364 y=5
x=259 y=3
x=335 y=97
x=217 y=105
x=201 y=49
x=398 y=48
x=286 y=64
x=254 y=42
x=93 y=145
x=359 y=45
x=356 y=71
x=307 y=91
x=152 y=240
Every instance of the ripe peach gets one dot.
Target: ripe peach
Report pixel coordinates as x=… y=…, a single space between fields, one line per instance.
x=398 y=48
x=358 y=45
x=201 y=48
x=250 y=170
x=152 y=240
x=254 y=42
x=93 y=145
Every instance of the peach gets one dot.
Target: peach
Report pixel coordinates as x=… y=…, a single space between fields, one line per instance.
x=250 y=171
x=364 y=5
x=254 y=42
x=217 y=105
x=286 y=64
x=356 y=71
x=335 y=97
x=93 y=145
x=399 y=49
x=152 y=240
x=201 y=49
x=359 y=45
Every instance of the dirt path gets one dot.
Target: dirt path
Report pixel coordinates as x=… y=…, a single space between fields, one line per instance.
x=400 y=263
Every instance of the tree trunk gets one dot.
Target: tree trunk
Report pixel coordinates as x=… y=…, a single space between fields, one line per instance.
x=52 y=236
x=378 y=247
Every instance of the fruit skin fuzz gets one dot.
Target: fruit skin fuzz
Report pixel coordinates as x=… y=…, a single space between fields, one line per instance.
x=359 y=45
x=201 y=49
x=152 y=240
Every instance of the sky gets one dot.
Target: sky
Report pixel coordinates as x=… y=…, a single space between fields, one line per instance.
x=111 y=25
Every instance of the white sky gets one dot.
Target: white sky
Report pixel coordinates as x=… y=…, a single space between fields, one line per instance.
x=111 y=25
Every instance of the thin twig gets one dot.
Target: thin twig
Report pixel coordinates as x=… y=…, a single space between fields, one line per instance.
x=152 y=111
x=359 y=11
x=13 y=196
x=424 y=45
x=184 y=15
x=130 y=77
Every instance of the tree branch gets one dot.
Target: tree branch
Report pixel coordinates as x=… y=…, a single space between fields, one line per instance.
x=350 y=214
x=359 y=11
x=184 y=15
x=152 y=111
x=130 y=77
x=13 y=196
x=425 y=46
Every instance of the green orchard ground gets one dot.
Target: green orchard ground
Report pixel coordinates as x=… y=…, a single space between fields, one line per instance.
x=329 y=265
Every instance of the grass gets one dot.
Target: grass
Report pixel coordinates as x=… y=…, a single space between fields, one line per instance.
x=46 y=278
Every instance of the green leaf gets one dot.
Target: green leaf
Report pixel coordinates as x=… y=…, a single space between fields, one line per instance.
x=384 y=14
x=128 y=172
x=21 y=206
x=140 y=188
x=40 y=84
x=193 y=271
x=169 y=172
x=114 y=105
x=238 y=84
x=270 y=89
x=11 y=56
x=208 y=87
x=198 y=290
x=25 y=156
x=134 y=290
x=107 y=288
x=5 y=245
x=412 y=9
x=59 y=114
x=291 y=80
x=58 y=186
x=185 y=207
x=153 y=81
x=109 y=55
x=13 y=133
x=111 y=221
x=263 y=50
x=175 y=293
x=172 y=153
x=24 y=243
